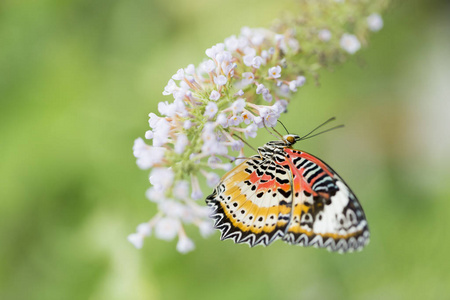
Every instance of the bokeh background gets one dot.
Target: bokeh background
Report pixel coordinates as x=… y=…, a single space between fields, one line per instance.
x=77 y=80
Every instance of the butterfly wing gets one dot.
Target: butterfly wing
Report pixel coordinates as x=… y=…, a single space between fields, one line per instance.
x=325 y=211
x=252 y=203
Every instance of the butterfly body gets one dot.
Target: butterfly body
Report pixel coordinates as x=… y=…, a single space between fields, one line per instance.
x=288 y=194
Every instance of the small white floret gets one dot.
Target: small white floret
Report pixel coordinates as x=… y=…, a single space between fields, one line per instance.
x=275 y=72
x=161 y=178
x=220 y=80
x=144 y=229
x=136 y=239
x=185 y=244
x=215 y=95
x=324 y=35
x=211 y=109
x=350 y=43
x=167 y=228
x=375 y=22
x=181 y=143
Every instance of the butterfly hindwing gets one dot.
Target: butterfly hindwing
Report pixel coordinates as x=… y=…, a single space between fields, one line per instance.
x=252 y=203
x=325 y=212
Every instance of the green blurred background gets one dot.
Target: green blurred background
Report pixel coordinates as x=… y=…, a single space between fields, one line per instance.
x=77 y=80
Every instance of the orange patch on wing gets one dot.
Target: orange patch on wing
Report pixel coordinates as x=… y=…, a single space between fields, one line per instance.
x=299 y=183
x=310 y=158
x=271 y=183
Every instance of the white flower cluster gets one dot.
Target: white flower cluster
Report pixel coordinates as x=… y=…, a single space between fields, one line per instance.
x=244 y=84
x=226 y=99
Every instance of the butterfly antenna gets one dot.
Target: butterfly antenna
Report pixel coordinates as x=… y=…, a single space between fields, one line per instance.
x=245 y=142
x=278 y=137
x=333 y=128
x=323 y=124
x=277 y=132
x=283 y=126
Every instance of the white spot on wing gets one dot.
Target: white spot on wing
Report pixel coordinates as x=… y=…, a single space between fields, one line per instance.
x=329 y=222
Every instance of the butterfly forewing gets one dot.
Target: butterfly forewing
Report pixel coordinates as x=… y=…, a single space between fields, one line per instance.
x=289 y=194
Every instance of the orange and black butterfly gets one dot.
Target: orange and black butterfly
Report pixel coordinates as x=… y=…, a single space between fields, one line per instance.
x=288 y=194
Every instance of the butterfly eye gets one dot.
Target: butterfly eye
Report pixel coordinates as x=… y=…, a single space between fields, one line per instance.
x=290 y=139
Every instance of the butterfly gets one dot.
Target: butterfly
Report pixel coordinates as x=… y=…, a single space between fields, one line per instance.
x=288 y=194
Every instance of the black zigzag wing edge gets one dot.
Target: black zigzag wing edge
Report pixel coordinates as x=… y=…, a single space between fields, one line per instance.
x=351 y=244
x=341 y=245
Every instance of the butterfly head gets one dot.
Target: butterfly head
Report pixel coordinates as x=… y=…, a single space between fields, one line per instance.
x=291 y=139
